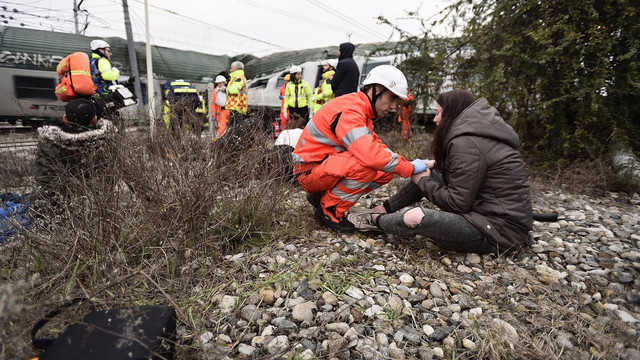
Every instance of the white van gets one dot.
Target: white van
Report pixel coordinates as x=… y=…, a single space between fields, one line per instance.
x=265 y=91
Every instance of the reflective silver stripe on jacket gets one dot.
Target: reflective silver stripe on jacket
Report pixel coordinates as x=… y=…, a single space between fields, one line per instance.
x=322 y=138
x=353 y=185
x=391 y=165
x=354 y=135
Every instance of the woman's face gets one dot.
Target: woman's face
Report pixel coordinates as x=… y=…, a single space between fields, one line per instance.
x=298 y=76
x=438 y=117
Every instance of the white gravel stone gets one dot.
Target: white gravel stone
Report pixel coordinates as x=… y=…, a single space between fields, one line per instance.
x=278 y=344
x=206 y=337
x=468 y=344
x=406 y=280
x=427 y=329
x=228 y=304
x=355 y=292
x=303 y=312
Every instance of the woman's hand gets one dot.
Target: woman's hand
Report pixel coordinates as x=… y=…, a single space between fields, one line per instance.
x=416 y=178
x=430 y=164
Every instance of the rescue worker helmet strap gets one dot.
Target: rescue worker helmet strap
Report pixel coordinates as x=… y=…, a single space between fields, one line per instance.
x=389 y=77
x=99 y=44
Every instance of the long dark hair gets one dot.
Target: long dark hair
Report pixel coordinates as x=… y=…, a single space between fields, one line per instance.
x=453 y=103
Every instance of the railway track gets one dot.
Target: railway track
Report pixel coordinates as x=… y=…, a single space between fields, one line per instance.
x=14 y=129
x=18 y=145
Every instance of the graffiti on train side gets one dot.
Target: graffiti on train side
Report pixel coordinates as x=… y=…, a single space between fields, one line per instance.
x=46 y=62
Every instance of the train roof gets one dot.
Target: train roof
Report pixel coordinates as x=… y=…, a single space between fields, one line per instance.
x=42 y=50
x=280 y=61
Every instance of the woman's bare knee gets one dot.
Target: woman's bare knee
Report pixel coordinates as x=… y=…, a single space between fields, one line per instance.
x=413 y=217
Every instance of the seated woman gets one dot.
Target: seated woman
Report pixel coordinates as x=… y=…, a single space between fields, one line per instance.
x=478 y=181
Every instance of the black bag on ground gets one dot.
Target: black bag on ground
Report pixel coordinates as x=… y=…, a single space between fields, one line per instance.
x=137 y=332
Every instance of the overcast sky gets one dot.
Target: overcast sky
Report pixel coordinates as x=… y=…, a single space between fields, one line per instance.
x=231 y=27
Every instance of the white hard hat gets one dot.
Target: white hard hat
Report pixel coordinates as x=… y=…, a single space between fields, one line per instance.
x=219 y=79
x=295 y=69
x=99 y=44
x=333 y=63
x=389 y=77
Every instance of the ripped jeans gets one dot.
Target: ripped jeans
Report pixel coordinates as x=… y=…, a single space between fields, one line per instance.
x=447 y=230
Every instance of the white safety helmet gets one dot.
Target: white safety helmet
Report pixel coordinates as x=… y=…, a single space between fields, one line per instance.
x=333 y=63
x=99 y=44
x=219 y=79
x=295 y=69
x=389 y=77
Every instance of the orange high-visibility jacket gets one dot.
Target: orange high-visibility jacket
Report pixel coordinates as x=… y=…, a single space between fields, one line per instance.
x=346 y=124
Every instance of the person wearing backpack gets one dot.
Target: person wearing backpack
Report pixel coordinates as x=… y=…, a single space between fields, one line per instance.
x=180 y=105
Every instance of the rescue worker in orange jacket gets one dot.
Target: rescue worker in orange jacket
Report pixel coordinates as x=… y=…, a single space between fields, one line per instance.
x=339 y=157
x=404 y=116
x=219 y=114
x=283 y=111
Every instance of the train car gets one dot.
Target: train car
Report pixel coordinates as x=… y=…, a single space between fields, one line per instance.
x=265 y=90
x=28 y=60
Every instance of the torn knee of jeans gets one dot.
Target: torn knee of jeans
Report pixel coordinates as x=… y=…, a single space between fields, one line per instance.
x=413 y=217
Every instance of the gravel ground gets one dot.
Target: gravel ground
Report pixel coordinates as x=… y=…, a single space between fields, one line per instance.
x=574 y=294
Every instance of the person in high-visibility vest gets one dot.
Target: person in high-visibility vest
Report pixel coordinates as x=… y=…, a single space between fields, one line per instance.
x=283 y=111
x=180 y=105
x=237 y=90
x=219 y=115
x=323 y=93
x=297 y=95
x=104 y=74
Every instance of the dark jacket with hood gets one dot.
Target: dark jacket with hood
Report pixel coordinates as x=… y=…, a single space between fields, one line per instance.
x=484 y=178
x=347 y=75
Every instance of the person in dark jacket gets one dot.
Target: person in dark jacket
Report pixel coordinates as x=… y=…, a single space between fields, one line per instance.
x=347 y=75
x=67 y=153
x=477 y=179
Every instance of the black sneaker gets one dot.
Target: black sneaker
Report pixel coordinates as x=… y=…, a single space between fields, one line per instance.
x=342 y=226
x=314 y=198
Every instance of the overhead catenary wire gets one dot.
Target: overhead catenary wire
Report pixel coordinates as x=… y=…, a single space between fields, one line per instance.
x=299 y=17
x=348 y=19
x=216 y=27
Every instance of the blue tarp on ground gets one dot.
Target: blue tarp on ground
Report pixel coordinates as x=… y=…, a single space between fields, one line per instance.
x=14 y=214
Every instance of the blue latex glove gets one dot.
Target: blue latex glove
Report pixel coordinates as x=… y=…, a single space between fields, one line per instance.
x=419 y=166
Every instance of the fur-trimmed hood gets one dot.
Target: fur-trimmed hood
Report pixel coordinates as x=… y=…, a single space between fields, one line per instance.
x=76 y=140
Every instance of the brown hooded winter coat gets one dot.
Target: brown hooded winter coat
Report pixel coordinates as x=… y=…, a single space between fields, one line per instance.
x=484 y=178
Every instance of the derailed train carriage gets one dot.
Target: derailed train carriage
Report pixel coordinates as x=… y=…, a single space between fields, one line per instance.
x=28 y=60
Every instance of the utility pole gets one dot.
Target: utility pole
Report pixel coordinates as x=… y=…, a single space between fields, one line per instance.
x=150 y=85
x=76 y=8
x=133 y=60
x=349 y=36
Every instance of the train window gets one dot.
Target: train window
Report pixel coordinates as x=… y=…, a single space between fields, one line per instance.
x=259 y=83
x=30 y=87
x=369 y=66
